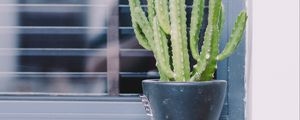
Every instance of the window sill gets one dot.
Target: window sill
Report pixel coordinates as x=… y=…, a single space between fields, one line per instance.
x=101 y=108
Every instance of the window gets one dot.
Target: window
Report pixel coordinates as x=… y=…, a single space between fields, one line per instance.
x=82 y=54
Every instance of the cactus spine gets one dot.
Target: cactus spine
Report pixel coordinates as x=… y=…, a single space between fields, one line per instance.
x=167 y=19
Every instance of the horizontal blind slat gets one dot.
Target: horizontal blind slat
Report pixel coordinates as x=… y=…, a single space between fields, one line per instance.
x=70 y=52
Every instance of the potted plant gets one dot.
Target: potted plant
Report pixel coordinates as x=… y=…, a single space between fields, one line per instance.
x=184 y=93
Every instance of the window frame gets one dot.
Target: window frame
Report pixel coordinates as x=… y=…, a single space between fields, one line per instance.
x=233 y=68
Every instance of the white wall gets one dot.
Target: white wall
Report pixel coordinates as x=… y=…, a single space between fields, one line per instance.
x=274 y=77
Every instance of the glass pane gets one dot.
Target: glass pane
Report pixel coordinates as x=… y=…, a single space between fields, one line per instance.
x=54 y=46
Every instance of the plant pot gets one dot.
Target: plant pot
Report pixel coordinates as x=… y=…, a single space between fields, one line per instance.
x=185 y=100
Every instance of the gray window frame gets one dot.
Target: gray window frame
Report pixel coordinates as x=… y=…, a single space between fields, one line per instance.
x=233 y=68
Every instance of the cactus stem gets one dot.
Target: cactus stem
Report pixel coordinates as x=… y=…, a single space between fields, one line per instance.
x=159 y=50
x=168 y=17
x=178 y=38
x=196 y=24
x=235 y=37
x=163 y=15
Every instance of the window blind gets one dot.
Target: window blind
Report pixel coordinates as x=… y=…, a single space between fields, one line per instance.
x=54 y=46
x=88 y=47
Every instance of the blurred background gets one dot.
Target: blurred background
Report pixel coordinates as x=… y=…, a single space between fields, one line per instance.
x=61 y=46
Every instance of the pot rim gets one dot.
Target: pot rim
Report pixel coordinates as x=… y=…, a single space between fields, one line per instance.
x=156 y=81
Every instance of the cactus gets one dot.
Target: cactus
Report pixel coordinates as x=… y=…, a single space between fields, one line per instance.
x=166 y=23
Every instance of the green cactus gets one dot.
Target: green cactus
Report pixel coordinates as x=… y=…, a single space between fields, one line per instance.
x=179 y=41
x=166 y=23
x=196 y=24
x=163 y=15
x=215 y=36
x=137 y=29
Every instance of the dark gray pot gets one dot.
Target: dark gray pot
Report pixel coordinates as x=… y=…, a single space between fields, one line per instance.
x=185 y=101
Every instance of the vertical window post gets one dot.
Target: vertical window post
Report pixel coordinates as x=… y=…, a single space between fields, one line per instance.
x=113 y=51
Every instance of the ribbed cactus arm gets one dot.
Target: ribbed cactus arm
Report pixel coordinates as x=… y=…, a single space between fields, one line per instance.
x=165 y=46
x=151 y=10
x=204 y=55
x=164 y=40
x=208 y=73
x=235 y=37
x=211 y=67
x=206 y=47
x=210 y=48
x=159 y=50
x=139 y=16
x=140 y=36
x=195 y=27
x=161 y=6
x=186 y=61
x=137 y=29
x=178 y=40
